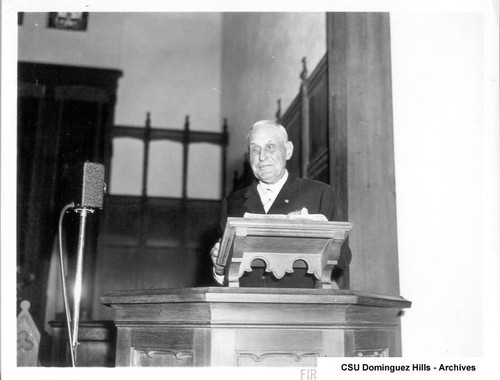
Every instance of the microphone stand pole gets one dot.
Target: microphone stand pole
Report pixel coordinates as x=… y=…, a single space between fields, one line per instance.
x=78 y=279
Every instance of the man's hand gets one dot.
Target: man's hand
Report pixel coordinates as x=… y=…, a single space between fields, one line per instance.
x=214 y=254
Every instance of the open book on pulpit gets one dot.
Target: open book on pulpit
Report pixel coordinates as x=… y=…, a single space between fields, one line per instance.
x=279 y=241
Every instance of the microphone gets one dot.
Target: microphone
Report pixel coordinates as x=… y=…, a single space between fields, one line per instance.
x=92 y=190
x=89 y=198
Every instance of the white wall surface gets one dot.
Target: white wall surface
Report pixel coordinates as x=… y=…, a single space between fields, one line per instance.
x=171 y=63
x=440 y=134
x=98 y=46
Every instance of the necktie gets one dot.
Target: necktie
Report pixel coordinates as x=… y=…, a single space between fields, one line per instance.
x=268 y=198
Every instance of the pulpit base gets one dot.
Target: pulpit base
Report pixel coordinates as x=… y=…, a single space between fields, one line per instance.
x=251 y=326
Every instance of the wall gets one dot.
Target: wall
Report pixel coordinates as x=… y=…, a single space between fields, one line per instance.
x=437 y=62
x=99 y=46
x=261 y=62
x=171 y=65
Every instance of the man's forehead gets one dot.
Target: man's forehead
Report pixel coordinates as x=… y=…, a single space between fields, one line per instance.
x=263 y=140
x=266 y=134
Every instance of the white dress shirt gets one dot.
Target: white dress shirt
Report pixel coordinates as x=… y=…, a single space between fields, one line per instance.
x=269 y=192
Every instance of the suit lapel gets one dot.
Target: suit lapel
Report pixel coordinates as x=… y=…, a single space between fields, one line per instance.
x=253 y=203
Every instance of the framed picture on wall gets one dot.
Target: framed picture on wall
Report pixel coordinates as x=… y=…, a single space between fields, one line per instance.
x=68 y=20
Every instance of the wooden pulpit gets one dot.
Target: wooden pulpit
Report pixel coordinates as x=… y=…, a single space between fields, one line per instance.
x=256 y=326
x=251 y=327
x=280 y=241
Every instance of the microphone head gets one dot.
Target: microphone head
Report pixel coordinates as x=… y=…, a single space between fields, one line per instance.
x=93 y=186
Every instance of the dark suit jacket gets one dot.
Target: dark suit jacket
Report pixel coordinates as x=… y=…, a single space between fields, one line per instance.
x=295 y=194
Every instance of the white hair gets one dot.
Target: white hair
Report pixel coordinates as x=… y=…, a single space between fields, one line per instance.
x=269 y=123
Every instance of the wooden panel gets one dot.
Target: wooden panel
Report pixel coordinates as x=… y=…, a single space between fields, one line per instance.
x=167 y=268
x=202 y=347
x=363 y=151
x=123 y=339
x=31 y=90
x=161 y=358
x=177 y=238
x=319 y=167
x=166 y=220
x=202 y=217
x=121 y=219
x=223 y=338
x=82 y=94
x=318 y=111
x=69 y=75
x=271 y=341
x=337 y=109
x=251 y=327
x=156 y=267
x=116 y=268
x=374 y=343
x=223 y=294
x=171 y=338
x=162 y=348
x=334 y=342
x=181 y=315
x=292 y=121
x=97 y=344
x=281 y=358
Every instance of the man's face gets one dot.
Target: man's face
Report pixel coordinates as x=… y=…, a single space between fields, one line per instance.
x=268 y=153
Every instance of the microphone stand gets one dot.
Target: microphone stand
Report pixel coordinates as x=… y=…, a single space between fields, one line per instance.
x=77 y=295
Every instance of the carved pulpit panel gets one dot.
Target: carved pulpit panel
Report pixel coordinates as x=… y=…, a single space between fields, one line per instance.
x=280 y=241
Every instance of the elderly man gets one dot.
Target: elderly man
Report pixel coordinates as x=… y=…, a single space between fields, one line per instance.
x=275 y=191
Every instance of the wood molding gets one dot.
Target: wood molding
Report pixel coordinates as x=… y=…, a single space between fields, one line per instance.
x=83 y=94
x=53 y=75
x=362 y=144
x=290 y=358
x=179 y=135
x=318 y=164
x=319 y=72
x=161 y=357
x=337 y=109
x=33 y=90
